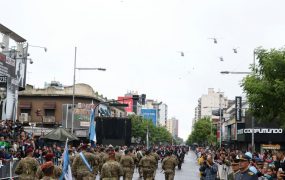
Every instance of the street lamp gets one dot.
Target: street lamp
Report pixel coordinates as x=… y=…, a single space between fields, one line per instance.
x=234 y=72
x=73 y=88
x=252 y=117
x=45 y=48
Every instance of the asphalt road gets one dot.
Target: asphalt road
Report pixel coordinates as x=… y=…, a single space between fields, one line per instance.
x=189 y=171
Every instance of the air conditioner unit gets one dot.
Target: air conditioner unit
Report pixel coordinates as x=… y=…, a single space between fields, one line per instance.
x=24 y=117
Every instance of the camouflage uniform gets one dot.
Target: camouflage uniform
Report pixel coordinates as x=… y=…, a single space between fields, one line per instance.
x=140 y=155
x=128 y=166
x=101 y=160
x=27 y=168
x=80 y=170
x=148 y=163
x=168 y=165
x=55 y=175
x=118 y=156
x=156 y=157
x=111 y=170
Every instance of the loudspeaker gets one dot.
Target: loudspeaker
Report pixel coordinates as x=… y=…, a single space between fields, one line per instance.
x=113 y=130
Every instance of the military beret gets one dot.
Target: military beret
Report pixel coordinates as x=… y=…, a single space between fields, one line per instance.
x=84 y=146
x=49 y=157
x=29 y=150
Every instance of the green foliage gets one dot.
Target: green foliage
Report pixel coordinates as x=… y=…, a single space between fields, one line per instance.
x=265 y=89
x=201 y=133
x=156 y=134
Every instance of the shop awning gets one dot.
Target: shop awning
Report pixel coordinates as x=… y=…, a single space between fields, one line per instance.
x=25 y=105
x=49 y=105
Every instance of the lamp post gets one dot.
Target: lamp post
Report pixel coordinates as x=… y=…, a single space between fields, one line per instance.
x=73 y=88
x=252 y=117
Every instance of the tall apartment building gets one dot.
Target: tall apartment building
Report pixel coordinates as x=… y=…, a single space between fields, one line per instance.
x=172 y=126
x=209 y=102
x=161 y=111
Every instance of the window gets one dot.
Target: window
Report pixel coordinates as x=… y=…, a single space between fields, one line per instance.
x=49 y=112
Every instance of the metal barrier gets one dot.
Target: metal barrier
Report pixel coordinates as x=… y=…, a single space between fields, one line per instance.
x=7 y=169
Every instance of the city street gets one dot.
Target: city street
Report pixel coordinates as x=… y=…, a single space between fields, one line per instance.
x=190 y=169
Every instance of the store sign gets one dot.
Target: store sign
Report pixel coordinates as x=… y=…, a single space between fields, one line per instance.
x=270 y=146
x=261 y=131
x=238 y=108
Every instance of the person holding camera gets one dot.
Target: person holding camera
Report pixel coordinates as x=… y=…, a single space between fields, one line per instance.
x=209 y=169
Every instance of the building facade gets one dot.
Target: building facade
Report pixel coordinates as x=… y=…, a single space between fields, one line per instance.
x=172 y=126
x=55 y=106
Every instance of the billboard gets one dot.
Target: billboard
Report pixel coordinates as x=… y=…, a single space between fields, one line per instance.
x=150 y=114
x=127 y=100
x=14 y=70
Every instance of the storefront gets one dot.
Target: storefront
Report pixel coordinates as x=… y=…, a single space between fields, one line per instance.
x=265 y=138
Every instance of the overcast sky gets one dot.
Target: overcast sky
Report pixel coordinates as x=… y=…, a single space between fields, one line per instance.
x=138 y=41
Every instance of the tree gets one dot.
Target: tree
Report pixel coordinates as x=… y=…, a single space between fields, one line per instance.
x=201 y=133
x=265 y=89
x=156 y=134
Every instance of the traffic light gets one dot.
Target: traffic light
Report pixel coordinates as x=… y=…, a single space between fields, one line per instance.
x=39 y=112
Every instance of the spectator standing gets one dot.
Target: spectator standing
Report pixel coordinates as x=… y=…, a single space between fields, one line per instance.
x=209 y=169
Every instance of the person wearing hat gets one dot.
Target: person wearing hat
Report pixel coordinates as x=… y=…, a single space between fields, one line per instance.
x=80 y=170
x=168 y=165
x=118 y=155
x=56 y=171
x=111 y=170
x=148 y=165
x=48 y=169
x=245 y=173
x=235 y=169
x=101 y=155
x=134 y=156
x=27 y=167
x=128 y=165
x=156 y=157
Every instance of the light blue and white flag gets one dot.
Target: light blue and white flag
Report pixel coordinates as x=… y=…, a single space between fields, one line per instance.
x=92 y=133
x=85 y=161
x=66 y=169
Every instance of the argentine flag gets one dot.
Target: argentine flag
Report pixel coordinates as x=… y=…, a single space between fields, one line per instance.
x=92 y=133
x=66 y=169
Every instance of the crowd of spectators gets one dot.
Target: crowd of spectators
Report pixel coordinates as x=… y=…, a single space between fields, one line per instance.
x=14 y=142
x=226 y=163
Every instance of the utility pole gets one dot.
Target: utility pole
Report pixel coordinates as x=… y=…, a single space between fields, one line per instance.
x=220 y=108
x=252 y=117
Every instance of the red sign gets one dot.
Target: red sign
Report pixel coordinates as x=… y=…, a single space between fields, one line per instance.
x=127 y=100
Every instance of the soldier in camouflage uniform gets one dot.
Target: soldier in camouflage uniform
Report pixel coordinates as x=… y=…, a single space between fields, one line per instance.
x=111 y=170
x=80 y=170
x=48 y=170
x=102 y=154
x=168 y=165
x=118 y=155
x=128 y=165
x=140 y=155
x=134 y=156
x=156 y=157
x=56 y=171
x=27 y=167
x=148 y=164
